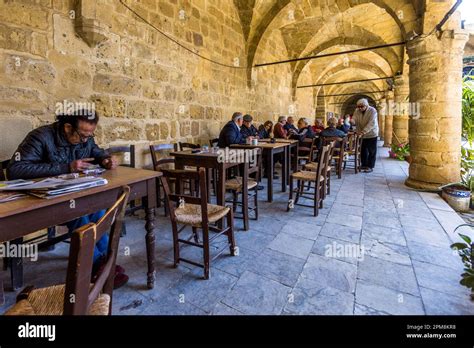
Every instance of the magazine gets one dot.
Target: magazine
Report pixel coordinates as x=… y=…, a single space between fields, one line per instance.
x=10 y=196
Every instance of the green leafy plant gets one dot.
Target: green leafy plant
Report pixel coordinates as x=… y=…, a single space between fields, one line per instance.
x=467 y=151
x=466 y=252
x=400 y=151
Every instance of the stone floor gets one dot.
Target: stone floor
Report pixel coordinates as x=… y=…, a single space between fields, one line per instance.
x=293 y=263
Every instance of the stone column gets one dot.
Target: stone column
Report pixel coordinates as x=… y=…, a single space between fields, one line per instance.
x=436 y=84
x=388 y=129
x=381 y=107
x=401 y=116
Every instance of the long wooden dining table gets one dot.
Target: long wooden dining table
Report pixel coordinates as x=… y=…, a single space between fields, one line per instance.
x=24 y=216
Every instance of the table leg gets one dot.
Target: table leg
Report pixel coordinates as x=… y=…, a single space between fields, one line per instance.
x=269 y=171
x=16 y=268
x=2 y=297
x=220 y=199
x=284 y=168
x=150 y=203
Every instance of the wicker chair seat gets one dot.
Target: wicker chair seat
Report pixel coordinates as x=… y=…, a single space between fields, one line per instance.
x=306 y=176
x=50 y=301
x=190 y=214
x=236 y=184
x=313 y=166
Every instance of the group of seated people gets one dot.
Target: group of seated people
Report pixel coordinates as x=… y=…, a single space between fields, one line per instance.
x=240 y=130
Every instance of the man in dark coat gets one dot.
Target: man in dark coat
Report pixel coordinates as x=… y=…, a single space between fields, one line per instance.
x=66 y=146
x=230 y=134
x=248 y=130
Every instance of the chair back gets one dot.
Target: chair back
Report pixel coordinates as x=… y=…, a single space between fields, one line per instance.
x=3 y=169
x=128 y=149
x=178 y=197
x=187 y=146
x=79 y=295
x=339 y=144
x=323 y=160
x=159 y=161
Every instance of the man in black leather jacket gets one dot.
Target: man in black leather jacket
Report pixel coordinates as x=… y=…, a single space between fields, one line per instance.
x=66 y=146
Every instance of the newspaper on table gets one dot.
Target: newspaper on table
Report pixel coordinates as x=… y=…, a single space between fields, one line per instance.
x=53 y=187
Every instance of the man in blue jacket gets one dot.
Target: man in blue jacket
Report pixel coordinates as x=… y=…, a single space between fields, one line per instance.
x=230 y=134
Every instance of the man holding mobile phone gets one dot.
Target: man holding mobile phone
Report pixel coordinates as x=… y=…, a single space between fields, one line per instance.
x=63 y=147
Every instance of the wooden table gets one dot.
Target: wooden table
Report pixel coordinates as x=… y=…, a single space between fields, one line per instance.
x=22 y=217
x=208 y=160
x=269 y=151
x=293 y=149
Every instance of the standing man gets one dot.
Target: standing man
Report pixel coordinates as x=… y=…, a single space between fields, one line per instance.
x=366 y=121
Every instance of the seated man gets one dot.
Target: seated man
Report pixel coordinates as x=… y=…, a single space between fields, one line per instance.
x=230 y=134
x=248 y=130
x=331 y=130
x=265 y=130
x=290 y=126
x=66 y=146
x=318 y=126
x=279 y=130
x=344 y=124
x=305 y=131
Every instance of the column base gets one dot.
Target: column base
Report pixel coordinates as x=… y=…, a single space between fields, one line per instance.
x=421 y=185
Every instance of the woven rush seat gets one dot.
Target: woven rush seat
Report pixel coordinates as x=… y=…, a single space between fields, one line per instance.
x=313 y=166
x=236 y=184
x=190 y=214
x=50 y=301
x=306 y=176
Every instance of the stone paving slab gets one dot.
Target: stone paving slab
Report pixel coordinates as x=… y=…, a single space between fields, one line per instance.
x=288 y=261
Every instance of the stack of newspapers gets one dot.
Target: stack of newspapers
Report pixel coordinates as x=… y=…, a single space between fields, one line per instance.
x=52 y=187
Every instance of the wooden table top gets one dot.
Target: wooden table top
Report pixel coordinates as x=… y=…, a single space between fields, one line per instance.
x=287 y=141
x=262 y=145
x=116 y=178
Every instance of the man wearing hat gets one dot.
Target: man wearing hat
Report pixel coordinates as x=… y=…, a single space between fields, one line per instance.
x=248 y=130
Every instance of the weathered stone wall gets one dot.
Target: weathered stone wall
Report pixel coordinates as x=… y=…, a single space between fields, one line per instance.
x=146 y=88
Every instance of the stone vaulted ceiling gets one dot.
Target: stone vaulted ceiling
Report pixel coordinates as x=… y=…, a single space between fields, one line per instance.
x=317 y=27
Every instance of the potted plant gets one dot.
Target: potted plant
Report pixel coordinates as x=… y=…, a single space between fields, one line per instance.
x=400 y=152
x=465 y=250
x=458 y=195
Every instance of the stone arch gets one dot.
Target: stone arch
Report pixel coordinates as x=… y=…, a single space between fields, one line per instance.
x=389 y=6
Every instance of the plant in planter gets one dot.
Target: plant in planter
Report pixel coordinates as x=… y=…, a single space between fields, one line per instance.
x=458 y=195
x=466 y=252
x=400 y=151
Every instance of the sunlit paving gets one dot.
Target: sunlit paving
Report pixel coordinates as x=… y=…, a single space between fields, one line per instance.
x=237 y=158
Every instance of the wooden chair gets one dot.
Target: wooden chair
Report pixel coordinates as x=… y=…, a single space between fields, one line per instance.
x=3 y=169
x=309 y=152
x=339 y=152
x=214 y=142
x=353 y=152
x=247 y=188
x=158 y=165
x=194 y=211
x=313 y=167
x=317 y=177
x=78 y=296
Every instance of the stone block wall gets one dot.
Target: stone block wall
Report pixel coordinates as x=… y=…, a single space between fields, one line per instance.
x=146 y=88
